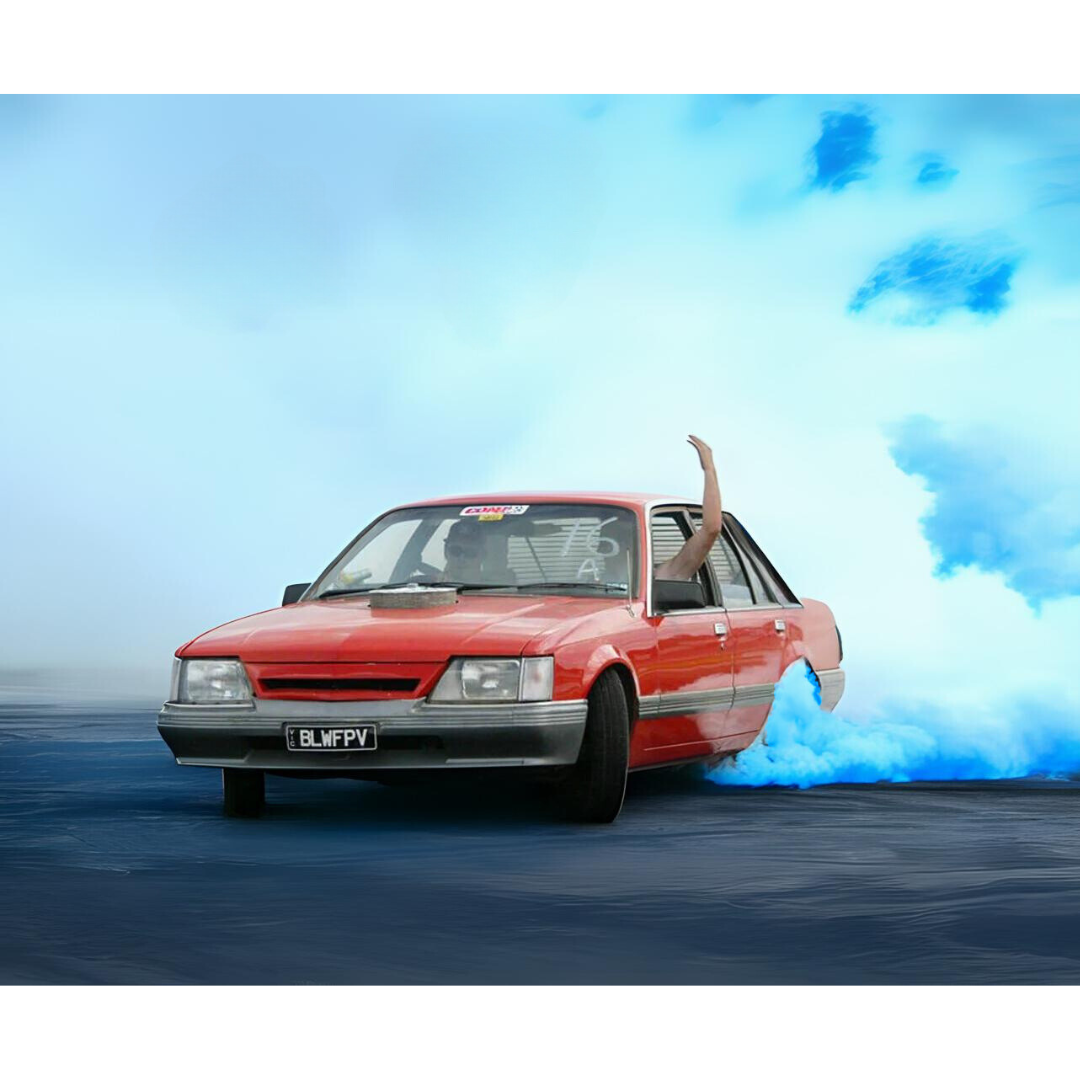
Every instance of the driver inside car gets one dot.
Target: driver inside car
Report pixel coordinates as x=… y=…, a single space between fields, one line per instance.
x=464 y=551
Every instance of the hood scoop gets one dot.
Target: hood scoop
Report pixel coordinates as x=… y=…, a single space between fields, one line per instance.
x=413 y=596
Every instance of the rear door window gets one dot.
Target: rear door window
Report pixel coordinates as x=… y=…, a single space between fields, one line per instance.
x=737 y=589
x=743 y=574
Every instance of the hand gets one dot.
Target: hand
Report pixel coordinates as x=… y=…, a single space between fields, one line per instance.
x=704 y=452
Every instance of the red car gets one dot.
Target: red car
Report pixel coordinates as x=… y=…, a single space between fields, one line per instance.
x=520 y=631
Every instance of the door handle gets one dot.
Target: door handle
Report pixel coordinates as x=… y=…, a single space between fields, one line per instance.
x=721 y=632
x=780 y=625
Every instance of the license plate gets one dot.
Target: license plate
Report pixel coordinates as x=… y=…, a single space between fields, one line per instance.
x=358 y=737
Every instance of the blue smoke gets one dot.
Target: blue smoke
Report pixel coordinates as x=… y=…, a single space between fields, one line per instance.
x=994 y=509
x=803 y=746
x=934 y=275
x=935 y=173
x=844 y=151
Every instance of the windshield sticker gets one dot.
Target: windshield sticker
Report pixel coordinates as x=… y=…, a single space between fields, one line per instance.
x=491 y=513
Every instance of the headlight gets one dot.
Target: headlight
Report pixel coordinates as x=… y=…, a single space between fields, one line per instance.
x=531 y=679
x=204 y=682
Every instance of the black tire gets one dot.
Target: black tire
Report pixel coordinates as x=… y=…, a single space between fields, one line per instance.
x=244 y=791
x=593 y=791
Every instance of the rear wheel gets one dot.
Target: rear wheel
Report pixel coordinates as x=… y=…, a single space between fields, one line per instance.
x=593 y=791
x=244 y=791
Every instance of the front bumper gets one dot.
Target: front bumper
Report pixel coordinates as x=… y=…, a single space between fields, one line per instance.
x=411 y=734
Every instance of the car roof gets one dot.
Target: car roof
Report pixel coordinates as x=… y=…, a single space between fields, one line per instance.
x=635 y=499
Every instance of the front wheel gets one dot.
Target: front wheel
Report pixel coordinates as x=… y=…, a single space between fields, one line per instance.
x=594 y=790
x=244 y=791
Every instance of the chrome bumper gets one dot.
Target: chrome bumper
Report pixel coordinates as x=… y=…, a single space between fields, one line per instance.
x=411 y=734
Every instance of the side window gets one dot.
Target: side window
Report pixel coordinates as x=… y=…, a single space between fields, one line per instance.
x=741 y=585
x=734 y=588
x=762 y=593
x=668 y=536
x=730 y=573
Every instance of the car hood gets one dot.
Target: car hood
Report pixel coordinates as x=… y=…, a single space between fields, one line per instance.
x=348 y=630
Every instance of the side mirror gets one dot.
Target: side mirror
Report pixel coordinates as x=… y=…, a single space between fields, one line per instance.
x=677 y=595
x=294 y=592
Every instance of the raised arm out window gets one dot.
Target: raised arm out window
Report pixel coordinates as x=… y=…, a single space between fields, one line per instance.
x=670 y=529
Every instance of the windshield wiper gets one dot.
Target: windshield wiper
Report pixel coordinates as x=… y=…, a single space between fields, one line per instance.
x=459 y=585
x=605 y=586
x=348 y=592
x=472 y=586
x=369 y=588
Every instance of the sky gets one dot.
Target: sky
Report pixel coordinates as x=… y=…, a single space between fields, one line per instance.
x=233 y=330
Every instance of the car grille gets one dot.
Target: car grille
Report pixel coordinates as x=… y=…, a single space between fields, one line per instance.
x=342 y=681
x=389 y=686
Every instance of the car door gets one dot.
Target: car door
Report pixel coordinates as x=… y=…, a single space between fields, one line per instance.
x=684 y=711
x=758 y=631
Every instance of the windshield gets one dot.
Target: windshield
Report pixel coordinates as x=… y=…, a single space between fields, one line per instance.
x=573 y=548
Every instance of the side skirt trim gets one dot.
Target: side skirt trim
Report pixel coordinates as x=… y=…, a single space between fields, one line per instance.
x=692 y=702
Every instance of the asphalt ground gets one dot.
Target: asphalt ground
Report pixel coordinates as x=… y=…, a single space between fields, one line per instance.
x=117 y=866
